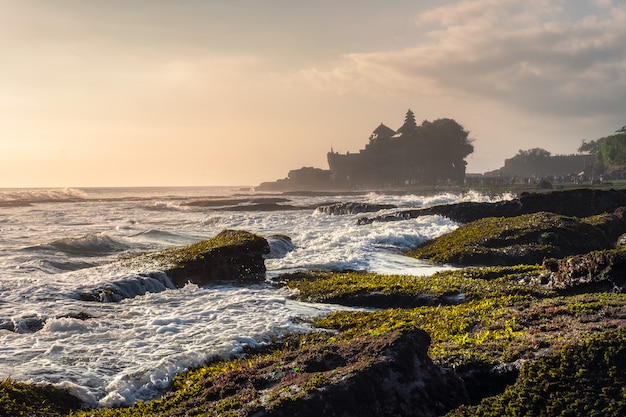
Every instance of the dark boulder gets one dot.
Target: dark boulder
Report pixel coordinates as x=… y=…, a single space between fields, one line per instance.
x=387 y=375
x=232 y=255
x=381 y=375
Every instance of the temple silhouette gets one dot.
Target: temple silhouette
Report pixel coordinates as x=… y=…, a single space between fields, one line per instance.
x=426 y=154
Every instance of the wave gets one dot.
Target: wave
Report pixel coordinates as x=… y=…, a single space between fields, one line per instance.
x=161 y=236
x=129 y=287
x=280 y=245
x=92 y=244
x=12 y=197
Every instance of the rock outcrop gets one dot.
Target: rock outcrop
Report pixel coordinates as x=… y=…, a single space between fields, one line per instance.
x=381 y=375
x=528 y=239
x=598 y=271
x=230 y=256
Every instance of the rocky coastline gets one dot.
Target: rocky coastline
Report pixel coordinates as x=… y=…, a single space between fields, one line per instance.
x=532 y=322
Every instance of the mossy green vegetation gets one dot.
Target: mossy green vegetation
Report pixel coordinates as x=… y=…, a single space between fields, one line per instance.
x=498 y=321
x=582 y=379
x=26 y=399
x=225 y=239
x=527 y=238
x=445 y=287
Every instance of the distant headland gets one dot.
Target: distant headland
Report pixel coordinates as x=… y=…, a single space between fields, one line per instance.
x=433 y=154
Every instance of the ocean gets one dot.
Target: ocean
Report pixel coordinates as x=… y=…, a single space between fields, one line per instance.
x=57 y=243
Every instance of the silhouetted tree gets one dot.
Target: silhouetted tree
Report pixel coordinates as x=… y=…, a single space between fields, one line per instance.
x=591 y=147
x=534 y=152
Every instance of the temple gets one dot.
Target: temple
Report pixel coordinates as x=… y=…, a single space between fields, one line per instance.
x=431 y=153
x=427 y=154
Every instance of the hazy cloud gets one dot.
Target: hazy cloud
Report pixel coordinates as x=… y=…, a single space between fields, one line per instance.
x=541 y=56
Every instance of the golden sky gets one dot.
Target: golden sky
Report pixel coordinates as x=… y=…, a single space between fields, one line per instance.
x=207 y=92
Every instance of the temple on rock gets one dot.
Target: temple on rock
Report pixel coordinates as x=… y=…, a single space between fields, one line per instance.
x=431 y=153
x=426 y=154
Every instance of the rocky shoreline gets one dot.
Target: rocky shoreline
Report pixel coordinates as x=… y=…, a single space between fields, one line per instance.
x=532 y=322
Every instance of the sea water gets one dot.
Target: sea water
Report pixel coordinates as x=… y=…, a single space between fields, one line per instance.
x=57 y=243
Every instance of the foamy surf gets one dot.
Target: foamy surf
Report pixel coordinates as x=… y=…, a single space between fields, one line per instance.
x=61 y=243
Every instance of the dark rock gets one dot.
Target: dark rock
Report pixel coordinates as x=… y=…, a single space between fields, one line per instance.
x=390 y=375
x=384 y=300
x=384 y=375
x=230 y=256
x=592 y=272
x=235 y=202
x=127 y=288
x=544 y=185
x=352 y=208
x=7 y=324
x=29 y=324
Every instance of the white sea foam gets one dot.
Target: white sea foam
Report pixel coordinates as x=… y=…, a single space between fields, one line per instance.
x=131 y=349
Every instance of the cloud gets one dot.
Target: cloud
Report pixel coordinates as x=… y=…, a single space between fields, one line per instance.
x=539 y=55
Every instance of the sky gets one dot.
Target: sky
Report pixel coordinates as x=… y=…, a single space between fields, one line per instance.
x=238 y=92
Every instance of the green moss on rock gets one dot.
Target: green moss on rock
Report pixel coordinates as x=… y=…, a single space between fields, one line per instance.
x=25 y=399
x=407 y=291
x=526 y=239
x=230 y=255
x=583 y=379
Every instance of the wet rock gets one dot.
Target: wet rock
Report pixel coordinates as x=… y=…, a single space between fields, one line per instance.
x=7 y=324
x=383 y=375
x=232 y=255
x=388 y=375
x=112 y=292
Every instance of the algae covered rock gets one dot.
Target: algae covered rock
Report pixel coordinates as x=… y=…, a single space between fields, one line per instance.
x=231 y=255
x=525 y=239
x=594 y=271
x=583 y=379
x=580 y=203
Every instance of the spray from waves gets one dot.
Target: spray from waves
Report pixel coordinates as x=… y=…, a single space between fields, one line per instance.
x=347 y=246
x=34 y=195
x=418 y=201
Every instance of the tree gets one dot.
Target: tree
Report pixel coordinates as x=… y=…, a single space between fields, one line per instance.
x=591 y=148
x=534 y=152
x=612 y=152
